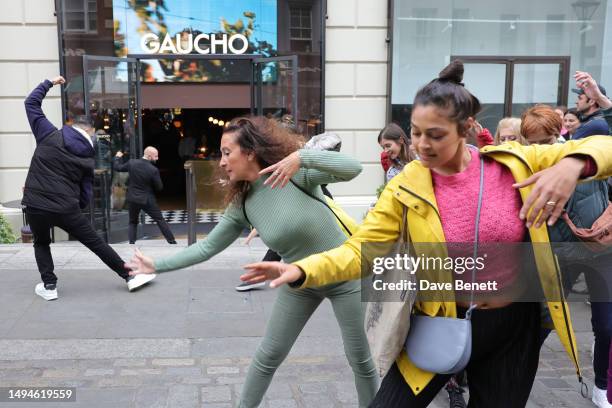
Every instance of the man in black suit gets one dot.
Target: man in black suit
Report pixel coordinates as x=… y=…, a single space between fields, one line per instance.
x=144 y=181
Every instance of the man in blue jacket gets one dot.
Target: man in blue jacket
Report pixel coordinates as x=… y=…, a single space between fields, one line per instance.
x=592 y=121
x=58 y=186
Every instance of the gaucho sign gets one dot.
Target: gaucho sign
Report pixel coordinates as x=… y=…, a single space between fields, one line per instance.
x=202 y=44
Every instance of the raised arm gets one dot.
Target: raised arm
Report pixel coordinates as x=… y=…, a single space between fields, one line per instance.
x=40 y=125
x=585 y=81
x=118 y=165
x=321 y=167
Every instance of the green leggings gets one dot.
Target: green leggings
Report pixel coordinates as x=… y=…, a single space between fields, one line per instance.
x=292 y=309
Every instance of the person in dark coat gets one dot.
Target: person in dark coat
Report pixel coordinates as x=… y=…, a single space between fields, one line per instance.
x=58 y=186
x=144 y=181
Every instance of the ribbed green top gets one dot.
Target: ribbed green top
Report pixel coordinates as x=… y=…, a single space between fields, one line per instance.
x=288 y=221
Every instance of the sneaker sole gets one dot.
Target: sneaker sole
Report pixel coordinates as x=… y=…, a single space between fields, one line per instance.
x=144 y=282
x=45 y=296
x=250 y=287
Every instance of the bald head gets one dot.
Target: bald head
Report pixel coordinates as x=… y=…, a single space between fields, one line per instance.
x=150 y=153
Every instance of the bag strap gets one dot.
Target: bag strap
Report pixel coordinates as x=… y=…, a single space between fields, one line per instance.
x=324 y=203
x=244 y=209
x=468 y=314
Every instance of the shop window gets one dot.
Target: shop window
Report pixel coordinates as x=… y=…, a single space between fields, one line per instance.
x=508 y=33
x=555 y=33
x=424 y=27
x=80 y=16
x=300 y=28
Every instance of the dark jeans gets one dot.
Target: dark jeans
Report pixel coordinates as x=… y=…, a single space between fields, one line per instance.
x=504 y=361
x=154 y=212
x=77 y=225
x=598 y=277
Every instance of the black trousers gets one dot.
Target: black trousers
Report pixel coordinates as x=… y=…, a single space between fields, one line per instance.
x=77 y=225
x=505 y=354
x=154 y=212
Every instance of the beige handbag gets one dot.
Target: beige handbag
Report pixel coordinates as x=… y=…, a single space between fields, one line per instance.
x=387 y=321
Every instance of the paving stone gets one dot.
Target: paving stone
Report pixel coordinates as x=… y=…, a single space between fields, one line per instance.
x=220 y=393
x=554 y=383
x=182 y=396
x=279 y=390
x=184 y=371
x=345 y=392
x=222 y=370
x=173 y=362
x=318 y=400
x=151 y=397
x=141 y=371
x=286 y=403
x=130 y=362
x=99 y=372
x=61 y=372
x=196 y=380
x=229 y=380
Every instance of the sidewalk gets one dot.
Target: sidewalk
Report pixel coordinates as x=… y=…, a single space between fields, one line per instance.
x=186 y=340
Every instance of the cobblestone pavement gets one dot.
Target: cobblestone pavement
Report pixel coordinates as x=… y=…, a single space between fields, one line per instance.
x=186 y=341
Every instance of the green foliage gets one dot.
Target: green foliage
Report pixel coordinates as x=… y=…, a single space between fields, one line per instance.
x=6 y=233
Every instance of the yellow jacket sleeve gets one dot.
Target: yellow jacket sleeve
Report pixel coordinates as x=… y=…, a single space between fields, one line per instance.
x=381 y=225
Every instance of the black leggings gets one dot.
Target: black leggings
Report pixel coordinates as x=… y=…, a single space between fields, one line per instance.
x=505 y=354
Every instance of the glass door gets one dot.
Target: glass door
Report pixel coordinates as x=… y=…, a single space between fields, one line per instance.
x=275 y=88
x=111 y=90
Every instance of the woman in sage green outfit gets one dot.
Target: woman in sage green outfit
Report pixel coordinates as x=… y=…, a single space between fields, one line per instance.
x=258 y=155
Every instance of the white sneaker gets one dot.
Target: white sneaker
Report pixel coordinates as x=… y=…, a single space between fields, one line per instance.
x=137 y=281
x=47 y=294
x=600 y=398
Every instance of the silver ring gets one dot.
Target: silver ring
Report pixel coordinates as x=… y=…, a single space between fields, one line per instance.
x=551 y=203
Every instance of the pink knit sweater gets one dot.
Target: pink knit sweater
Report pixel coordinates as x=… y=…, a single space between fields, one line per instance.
x=457 y=199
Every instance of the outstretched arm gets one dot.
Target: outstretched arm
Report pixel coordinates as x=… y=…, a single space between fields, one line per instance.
x=230 y=226
x=40 y=125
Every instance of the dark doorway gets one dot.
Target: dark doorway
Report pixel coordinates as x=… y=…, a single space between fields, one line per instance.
x=181 y=135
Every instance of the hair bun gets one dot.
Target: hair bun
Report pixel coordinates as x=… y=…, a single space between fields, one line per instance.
x=453 y=72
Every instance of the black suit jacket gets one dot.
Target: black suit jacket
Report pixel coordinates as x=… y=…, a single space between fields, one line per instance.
x=144 y=180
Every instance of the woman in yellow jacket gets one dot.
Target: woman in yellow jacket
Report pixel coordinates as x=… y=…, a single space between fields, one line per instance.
x=439 y=192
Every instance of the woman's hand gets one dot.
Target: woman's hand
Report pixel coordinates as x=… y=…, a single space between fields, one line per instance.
x=278 y=272
x=552 y=188
x=140 y=264
x=282 y=171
